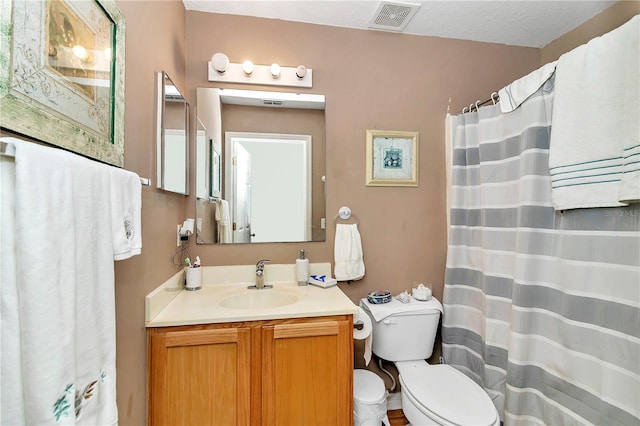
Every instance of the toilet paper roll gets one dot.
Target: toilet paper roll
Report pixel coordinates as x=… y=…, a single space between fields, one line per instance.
x=365 y=333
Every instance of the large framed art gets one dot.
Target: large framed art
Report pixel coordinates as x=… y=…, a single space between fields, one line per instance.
x=62 y=74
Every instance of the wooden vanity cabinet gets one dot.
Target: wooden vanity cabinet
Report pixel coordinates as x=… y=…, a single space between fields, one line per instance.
x=277 y=372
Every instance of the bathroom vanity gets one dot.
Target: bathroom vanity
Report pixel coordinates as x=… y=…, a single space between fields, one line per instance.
x=228 y=355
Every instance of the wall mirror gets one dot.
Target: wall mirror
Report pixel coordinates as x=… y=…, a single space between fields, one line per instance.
x=260 y=167
x=172 y=136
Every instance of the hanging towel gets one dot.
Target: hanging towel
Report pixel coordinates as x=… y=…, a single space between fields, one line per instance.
x=595 y=122
x=347 y=251
x=64 y=281
x=126 y=205
x=513 y=95
x=11 y=407
x=224 y=222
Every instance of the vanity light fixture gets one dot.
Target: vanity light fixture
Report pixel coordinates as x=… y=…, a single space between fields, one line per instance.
x=221 y=70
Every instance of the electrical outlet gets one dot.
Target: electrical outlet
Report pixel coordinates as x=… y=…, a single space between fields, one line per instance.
x=178 y=235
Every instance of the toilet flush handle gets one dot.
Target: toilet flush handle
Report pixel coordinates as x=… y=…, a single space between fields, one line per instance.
x=390 y=321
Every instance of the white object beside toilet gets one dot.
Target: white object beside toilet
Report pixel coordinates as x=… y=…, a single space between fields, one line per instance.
x=369 y=399
x=431 y=394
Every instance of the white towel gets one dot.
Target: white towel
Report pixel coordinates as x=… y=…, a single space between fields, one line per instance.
x=223 y=218
x=595 y=118
x=11 y=407
x=513 y=95
x=65 y=288
x=126 y=205
x=347 y=251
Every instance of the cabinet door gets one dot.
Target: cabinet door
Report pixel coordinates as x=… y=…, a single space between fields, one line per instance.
x=307 y=373
x=200 y=377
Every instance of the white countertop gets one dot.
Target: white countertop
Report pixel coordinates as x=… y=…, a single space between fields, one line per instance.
x=169 y=305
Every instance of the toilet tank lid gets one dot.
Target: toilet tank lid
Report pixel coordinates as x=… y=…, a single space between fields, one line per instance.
x=395 y=307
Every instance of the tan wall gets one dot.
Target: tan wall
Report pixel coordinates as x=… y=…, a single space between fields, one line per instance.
x=372 y=80
x=147 y=50
x=602 y=23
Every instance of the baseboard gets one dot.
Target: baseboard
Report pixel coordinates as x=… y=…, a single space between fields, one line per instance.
x=394 y=401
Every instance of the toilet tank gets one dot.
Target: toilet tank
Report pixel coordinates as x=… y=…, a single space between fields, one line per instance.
x=405 y=335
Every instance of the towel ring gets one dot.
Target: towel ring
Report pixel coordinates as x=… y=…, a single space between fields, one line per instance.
x=345 y=214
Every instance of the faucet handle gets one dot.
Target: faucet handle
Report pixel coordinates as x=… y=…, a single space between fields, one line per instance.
x=261 y=263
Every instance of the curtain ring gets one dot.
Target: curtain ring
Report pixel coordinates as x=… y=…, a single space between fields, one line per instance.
x=494 y=99
x=464 y=110
x=477 y=105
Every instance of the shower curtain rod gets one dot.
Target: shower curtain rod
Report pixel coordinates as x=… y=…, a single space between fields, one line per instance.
x=9 y=150
x=494 y=98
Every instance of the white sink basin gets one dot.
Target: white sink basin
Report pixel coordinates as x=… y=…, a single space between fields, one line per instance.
x=258 y=299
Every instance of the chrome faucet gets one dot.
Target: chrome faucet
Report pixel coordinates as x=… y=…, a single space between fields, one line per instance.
x=260 y=276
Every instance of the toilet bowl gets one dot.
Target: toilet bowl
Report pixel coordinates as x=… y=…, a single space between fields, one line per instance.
x=404 y=333
x=441 y=395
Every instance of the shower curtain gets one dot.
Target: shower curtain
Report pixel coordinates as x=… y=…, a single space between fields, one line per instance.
x=541 y=307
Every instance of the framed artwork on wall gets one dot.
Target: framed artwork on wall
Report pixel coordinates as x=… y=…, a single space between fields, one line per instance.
x=392 y=158
x=62 y=74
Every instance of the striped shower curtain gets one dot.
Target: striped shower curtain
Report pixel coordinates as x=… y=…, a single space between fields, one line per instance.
x=541 y=307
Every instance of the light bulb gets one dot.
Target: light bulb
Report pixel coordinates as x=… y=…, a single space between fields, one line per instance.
x=275 y=70
x=80 y=51
x=219 y=62
x=301 y=71
x=247 y=67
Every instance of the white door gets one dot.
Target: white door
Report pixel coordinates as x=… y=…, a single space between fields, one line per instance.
x=281 y=185
x=242 y=196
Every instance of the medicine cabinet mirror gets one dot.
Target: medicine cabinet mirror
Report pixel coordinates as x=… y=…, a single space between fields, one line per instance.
x=172 y=136
x=260 y=167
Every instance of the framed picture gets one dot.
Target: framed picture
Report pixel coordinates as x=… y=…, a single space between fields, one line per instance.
x=392 y=158
x=62 y=74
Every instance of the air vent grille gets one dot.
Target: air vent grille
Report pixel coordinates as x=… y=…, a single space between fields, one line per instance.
x=272 y=102
x=393 y=16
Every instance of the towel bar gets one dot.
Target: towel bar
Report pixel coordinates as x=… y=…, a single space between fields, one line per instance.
x=7 y=149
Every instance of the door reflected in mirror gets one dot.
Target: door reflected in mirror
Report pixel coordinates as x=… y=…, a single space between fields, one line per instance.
x=172 y=136
x=274 y=166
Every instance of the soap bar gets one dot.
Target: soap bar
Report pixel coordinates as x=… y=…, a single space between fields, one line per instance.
x=322 y=281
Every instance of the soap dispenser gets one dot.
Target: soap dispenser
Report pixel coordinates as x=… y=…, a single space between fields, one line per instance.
x=302 y=269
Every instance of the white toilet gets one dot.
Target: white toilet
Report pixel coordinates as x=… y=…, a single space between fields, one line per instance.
x=431 y=394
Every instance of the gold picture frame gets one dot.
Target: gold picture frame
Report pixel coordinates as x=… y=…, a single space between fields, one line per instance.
x=62 y=74
x=392 y=158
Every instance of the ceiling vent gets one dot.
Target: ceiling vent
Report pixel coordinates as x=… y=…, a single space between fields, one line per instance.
x=392 y=16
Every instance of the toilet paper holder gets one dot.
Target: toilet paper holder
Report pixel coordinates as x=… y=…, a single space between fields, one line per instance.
x=358 y=325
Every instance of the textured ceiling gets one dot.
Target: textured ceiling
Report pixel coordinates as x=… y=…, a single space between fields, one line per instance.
x=531 y=23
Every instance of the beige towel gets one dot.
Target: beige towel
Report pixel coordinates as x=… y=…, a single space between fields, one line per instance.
x=225 y=233
x=349 y=264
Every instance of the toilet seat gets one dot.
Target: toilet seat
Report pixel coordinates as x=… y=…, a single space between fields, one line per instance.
x=446 y=394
